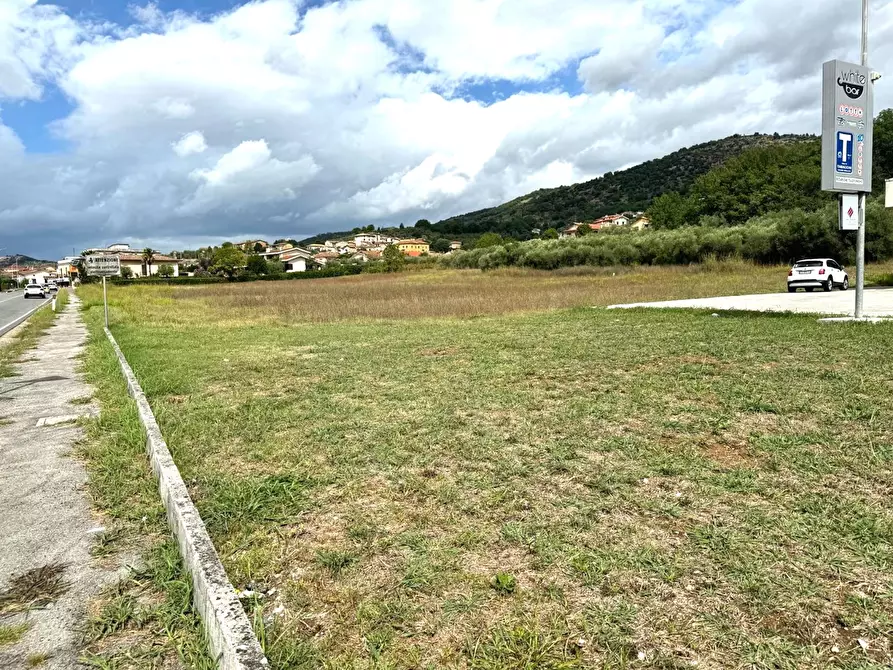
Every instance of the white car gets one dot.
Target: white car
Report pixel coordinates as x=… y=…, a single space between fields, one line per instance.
x=35 y=291
x=823 y=273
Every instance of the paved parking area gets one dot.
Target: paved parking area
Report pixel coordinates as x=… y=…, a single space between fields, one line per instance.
x=878 y=303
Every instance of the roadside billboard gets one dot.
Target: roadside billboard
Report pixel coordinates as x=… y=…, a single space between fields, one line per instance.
x=847 y=127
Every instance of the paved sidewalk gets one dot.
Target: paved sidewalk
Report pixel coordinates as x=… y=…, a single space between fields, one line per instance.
x=878 y=302
x=45 y=516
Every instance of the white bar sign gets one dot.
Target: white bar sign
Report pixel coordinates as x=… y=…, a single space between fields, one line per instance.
x=849 y=211
x=102 y=266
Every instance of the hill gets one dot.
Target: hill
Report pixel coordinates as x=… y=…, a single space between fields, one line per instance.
x=10 y=261
x=632 y=189
x=627 y=190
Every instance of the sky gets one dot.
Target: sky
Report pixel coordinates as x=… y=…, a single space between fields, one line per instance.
x=181 y=123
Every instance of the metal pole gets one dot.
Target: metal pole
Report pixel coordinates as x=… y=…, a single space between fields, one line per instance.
x=860 y=234
x=105 y=301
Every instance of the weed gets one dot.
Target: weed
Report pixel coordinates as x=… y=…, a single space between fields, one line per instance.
x=334 y=561
x=34 y=589
x=10 y=634
x=504 y=583
x=36 y=660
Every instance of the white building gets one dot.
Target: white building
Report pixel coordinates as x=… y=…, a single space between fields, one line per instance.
x=296 y=260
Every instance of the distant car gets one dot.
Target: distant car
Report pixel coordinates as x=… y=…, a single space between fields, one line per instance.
x=51 y=287
x=823 y=273
x=35 y=291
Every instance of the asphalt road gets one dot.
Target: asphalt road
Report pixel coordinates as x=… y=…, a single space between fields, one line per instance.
x=878 y=303
x=12 y=307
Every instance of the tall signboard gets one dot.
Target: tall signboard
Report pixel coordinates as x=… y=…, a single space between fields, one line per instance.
x=103 y=266
x=847 y=127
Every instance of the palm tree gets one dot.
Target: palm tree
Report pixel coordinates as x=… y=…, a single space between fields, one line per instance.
x=148 y=259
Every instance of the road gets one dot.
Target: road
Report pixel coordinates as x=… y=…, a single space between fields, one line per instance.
x=12 y=307
x=878 y=303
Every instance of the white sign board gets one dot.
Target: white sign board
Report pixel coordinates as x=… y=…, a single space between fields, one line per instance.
x=889 y=196
x=849 y=211
x=847 y=127
x=102 y=266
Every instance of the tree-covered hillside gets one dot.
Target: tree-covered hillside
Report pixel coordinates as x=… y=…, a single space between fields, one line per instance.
x=627 y=190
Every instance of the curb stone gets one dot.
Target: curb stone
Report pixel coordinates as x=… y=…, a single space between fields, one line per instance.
x=230 y=636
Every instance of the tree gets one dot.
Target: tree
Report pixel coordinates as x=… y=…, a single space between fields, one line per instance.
x=401 y=226
x=148 y=260
x=550 y=234
x=882 y=155
x=258 y=248
x=275 y=267
x=669 y=210
x=393 y=258
x=126 y=272
x=227 y=261
x=583 y=229
x=423 y=223
x=166 y=270
x=256 y=265
x=488 y=240
x=441 y=245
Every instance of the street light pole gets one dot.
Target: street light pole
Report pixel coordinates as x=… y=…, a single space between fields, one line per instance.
x=860 y=234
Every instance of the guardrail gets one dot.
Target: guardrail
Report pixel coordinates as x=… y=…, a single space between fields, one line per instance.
x=19 y=320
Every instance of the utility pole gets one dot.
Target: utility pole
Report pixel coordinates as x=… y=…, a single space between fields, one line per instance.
x=860 y=234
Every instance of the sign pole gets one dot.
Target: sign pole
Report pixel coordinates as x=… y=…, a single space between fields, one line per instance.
x=860 y=234
x=105 y=302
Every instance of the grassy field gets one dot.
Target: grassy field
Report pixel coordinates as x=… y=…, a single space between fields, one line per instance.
x=429 y=471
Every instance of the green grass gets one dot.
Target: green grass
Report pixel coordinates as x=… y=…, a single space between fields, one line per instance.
x=12 y=633
x=14 y=346
x=146 y=621
x=568 y=489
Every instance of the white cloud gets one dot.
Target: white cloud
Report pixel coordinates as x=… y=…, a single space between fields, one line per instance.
x=190 y=143
x=361 y=111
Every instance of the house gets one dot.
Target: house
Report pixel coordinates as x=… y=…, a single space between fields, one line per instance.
x=367 y=255
x=67 y=267
x=138 y=267
x=316 y=248
x=641 y=223
x=613 y=220
x=326 y=257
x=277 y=253
x=572 y=230
x=296 y=260
x=251 y=245
x=413 y=248
x=455 y=245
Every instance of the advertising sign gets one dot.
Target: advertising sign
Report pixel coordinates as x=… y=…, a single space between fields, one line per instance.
x=849 y=211
x=847 y=125
x=102 y=266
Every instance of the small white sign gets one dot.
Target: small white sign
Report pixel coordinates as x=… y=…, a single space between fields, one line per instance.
x=889 y=199
x=849 y=211
x=102 y=266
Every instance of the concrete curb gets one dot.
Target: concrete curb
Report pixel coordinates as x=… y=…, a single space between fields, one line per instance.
x=17 y=322
x=230 y=636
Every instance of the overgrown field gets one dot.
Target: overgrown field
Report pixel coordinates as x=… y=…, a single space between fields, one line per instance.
x=500 y=488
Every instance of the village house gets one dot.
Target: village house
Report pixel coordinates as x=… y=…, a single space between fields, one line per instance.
x=641 y=223
x=296 y=260
x=573 y=229
x=367 y=255
x=455 y=245
x=251 y=245
x=413 y=247
x=326 y=257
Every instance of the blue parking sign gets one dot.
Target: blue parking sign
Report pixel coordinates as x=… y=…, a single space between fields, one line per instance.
x=844 y=152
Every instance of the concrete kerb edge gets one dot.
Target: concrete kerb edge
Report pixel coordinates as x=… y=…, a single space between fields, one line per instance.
x=230 y=636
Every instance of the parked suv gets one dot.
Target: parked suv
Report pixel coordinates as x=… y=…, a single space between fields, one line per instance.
x=35 y=291
x=824 y=273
